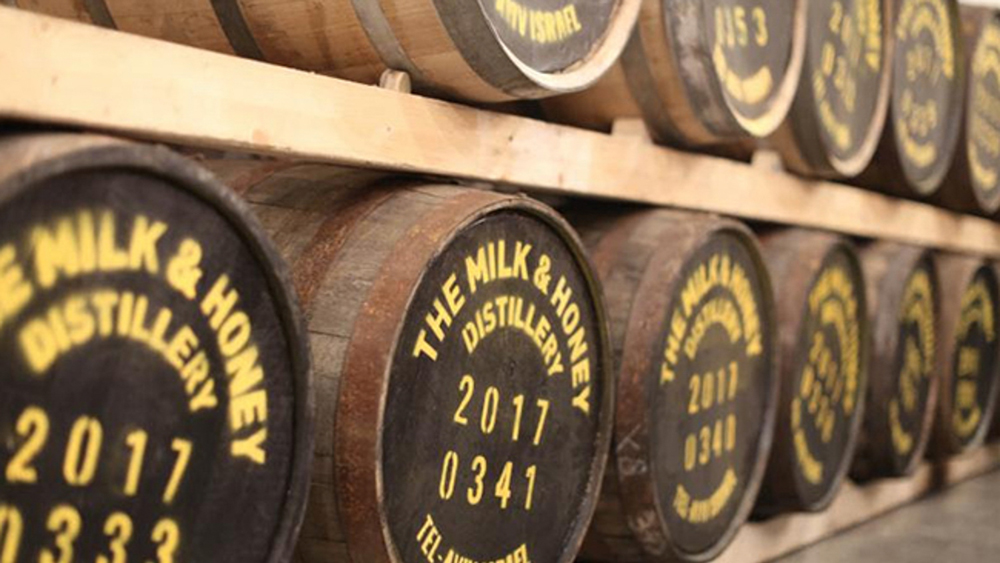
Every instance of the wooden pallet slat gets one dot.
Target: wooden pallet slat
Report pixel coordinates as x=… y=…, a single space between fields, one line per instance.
x=62 y=72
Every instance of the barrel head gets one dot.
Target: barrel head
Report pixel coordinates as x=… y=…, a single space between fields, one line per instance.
x=903 y=397
x=968 y=359
x=156 y=401
x=550 y=35
x=839 y=111
x=982 y=125
x=830 y=364
x=713 y=400
x=753 y=45
x=824 y=356
x=928 y=90
x=497 y=413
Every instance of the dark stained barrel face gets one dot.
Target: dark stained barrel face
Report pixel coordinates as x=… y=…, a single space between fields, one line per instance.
x=830 y=378
x=983 y=114
x=149 y=403
x=751 y=45
x=496 y=415
x=913 y=366
x=927 y=89
x=550 y=35
x=973 y=361
x=845 y=59
x=712 y=392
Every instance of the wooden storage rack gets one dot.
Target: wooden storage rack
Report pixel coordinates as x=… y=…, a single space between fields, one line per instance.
x=72 y=75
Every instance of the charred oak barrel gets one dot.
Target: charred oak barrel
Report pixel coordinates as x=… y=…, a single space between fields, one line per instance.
x=692 y=324
x=839 y=110
x=464 y=400
x=486 y=50
x=967 y=353
x=926 y=105
x=974 y=183
x=156 y=401
x=904 y=308
x=700 y=72
x=823 y=341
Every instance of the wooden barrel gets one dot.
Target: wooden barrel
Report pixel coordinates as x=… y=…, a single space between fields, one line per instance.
x=904 y=308
x=926 y=105
x=462 y=371
x=967 y=353
x=973 y=185
x=692 y=324
x=700 y=72
x=839 y=110
x=823 y=335
x=492 y=50
x=156 y=401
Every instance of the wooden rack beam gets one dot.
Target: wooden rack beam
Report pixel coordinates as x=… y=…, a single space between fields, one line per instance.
x=70 y=74
x=855 y=504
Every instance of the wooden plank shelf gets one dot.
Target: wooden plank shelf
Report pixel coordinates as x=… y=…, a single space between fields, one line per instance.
x=854 y=505
x=70 y=74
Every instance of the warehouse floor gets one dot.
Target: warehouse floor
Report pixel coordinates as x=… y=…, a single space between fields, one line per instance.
x=961 y=524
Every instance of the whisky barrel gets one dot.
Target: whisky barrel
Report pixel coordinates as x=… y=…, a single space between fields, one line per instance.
x=700 y=73
x=156 y=403
x=973 y=185
x=927 y=100
x=904 y=308
x=823 y=334
x=839 y=110
x=464 y=399
x=967 y=353
x=692 y=325
x=489 y=50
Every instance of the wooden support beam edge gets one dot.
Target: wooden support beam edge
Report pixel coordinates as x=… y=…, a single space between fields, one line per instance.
x=69 y=74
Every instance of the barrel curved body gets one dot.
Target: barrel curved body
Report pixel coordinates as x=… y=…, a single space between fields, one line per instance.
x=157 y=400
x=488 y=51
x=904 y=307
x=837 y=118
x=823 y=333
x=967 y=353
x=973 y=185
x=461 y=368
x=691 y=316
x=699 y=73
x=926 y=105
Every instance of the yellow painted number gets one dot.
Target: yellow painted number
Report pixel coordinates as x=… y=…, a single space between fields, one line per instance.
x=11 y=528
x=168 y=538
x=449 y=470
x=502 y=490
x=467 y=385
x=488 y=418
x=136 y=441
x=518 y=412
x=836 y=17
x=760 y=19
x=530 y=476
x=710 y=442
x=82 y=451
x=479 y=467
x=33 y=426
x=118 y=528
x=64 y=521
x=732 y=29
x=543 y=405
x=694 y=386
x=706 y=391
x=183 y=449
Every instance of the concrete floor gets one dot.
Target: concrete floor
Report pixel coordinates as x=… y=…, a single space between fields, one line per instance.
x=961 y=525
